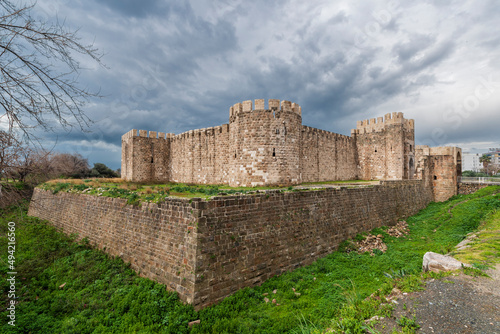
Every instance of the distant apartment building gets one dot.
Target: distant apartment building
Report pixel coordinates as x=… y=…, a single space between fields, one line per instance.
x=494 y=154
x=470 y=161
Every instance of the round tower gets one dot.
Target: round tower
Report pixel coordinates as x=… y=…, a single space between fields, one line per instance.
x=264 y=143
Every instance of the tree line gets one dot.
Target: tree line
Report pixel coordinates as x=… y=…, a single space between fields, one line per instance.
x=23 y=163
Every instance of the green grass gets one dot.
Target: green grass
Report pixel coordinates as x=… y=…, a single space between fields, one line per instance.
x=485 y=249
x=102 y=295
x=143 y=192
x=147 y=192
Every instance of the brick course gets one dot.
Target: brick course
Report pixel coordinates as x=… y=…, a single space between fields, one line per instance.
x=208 y=249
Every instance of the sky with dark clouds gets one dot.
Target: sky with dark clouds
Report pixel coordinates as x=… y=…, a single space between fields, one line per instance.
x=173 y=66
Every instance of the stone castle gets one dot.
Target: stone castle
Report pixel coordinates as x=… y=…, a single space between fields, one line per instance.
x=206 y=249
x=270 y=146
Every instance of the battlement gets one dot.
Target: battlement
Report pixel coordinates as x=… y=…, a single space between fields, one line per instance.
x=378 y=124
x=273 y=105
x=308 y=131
x=147 y=134
x=204 y=131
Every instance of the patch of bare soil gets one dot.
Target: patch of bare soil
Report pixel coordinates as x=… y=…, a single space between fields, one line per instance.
x=455 y=304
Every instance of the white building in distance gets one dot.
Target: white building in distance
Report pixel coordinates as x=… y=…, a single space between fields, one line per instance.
x=470 y=161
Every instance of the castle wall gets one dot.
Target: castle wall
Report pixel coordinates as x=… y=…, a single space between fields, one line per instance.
x=200 y=156
x=145 y=156
x=206 y=250
x=159 y=241
x=265 y=143
x=327 y=156
x=441 y=166
x=270 y=146
x=466 y=188
x=386 y=147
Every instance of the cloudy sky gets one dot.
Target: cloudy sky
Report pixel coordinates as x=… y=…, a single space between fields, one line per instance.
x=173 y=66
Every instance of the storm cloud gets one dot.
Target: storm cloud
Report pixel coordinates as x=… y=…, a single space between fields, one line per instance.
x=175 y=66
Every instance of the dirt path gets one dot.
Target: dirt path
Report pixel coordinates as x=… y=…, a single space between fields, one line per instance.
x=455 y=304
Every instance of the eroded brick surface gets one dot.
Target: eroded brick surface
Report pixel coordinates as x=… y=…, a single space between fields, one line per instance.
x=206 y=250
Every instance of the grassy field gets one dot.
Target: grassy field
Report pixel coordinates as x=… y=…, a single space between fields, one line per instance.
x=67 y=287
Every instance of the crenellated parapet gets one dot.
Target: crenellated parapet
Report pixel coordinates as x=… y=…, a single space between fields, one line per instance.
x=147 y=134
x=310 y=131
x=211 y=131
x=380 y=123
x=273 y=106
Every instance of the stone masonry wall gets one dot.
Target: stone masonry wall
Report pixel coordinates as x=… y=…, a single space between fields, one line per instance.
x=265 y=143
x=206 y=250
x=200 y=156
x=158 y=240
x=146 y=157
x=386 y=147
x=245 y=240
x=260 y=146
x=465 y=188
x=327 y=156
x=444 y=178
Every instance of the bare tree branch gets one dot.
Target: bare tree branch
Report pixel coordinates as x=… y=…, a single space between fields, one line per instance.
x=38 y=73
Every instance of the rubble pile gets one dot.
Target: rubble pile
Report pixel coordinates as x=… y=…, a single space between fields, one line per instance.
x=399 y=230
x=370 y=243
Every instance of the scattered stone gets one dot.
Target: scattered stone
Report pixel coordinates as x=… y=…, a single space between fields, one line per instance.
x=437 y=262
x=265 y=294
x=196 y=322
x=297 y=294
x=370 y=243
x=62 y=285
x=274 y=291
x=399 y=230
x=266 y=300
x=274 y=301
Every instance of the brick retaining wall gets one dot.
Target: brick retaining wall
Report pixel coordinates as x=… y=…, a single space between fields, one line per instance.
x=465 y=188
x=207 y=250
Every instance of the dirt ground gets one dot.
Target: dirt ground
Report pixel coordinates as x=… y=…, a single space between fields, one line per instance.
x=455 y=304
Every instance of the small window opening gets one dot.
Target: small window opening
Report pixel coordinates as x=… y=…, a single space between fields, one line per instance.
x=375 y=150
x=277 y=131
x=274 y=152
x=435 y=177
x=411 y=148
x=152 y=159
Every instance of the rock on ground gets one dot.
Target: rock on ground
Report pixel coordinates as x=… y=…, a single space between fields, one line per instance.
x=437 y=262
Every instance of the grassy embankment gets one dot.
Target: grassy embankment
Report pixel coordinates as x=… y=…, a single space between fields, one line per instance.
x=144 y=192
x=66 y=287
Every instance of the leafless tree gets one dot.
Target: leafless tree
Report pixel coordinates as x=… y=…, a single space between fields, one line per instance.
x=10 y=149
x=38 y=73
x=68 y=165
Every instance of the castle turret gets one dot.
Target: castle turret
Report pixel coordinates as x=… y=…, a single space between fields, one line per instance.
x=146 y=156
x=265 y=143
x=386 y=147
